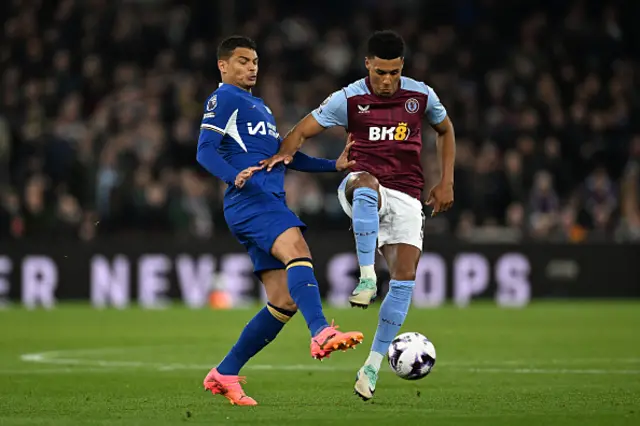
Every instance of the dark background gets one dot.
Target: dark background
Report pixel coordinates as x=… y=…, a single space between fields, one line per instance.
x=100 y=103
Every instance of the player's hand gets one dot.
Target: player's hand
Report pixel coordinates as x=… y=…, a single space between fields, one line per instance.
x=440 y=197
x=271 y=162
x=343 y=163
x=245 y=175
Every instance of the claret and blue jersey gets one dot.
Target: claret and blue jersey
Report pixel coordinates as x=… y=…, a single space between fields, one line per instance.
x=387 y=130
x=335 y=109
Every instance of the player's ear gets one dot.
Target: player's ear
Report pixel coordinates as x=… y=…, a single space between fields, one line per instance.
x=367 y=63
x=222 y=66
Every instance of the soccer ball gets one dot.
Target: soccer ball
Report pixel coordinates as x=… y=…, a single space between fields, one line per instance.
x=411 y=356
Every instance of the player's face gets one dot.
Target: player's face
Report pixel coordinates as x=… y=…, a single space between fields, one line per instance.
x=241 y=69
x=384 y=74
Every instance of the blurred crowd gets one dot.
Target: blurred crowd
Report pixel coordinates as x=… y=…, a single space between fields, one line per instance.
x=101 y=100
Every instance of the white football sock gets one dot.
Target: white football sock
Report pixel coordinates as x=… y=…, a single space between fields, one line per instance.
x=368 y=272
x=375 y=360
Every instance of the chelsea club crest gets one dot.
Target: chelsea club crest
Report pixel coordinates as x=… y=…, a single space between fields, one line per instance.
x=412 y=105
x=213 y=103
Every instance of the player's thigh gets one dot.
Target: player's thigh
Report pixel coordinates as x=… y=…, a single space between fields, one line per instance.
x=401 y=234
x=262 y=261
x=270 y=271
x=275 y=285
x=358 y=180
x=403 y=221
x=290 y=245
x=276 y=230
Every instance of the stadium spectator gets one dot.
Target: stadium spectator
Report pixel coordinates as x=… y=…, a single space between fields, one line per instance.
x=100 y=103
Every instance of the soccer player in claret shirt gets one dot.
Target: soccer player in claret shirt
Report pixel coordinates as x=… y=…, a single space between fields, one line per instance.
x=383 y=114
x=237 y=131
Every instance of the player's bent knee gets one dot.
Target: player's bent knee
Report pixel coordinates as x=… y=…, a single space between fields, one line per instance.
x=282 y=314
x=291 y=306
x=275 y=285
x=365 y=180
x=282 y=300
x=362 y=180
x=402 y=274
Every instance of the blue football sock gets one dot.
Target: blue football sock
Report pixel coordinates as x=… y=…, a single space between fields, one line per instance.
x=304 y=290
x=365 y=224
x=393 y=311
x=258 y=333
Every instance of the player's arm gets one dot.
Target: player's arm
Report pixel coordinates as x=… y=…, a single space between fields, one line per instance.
x=212 y=129
x=446 y=146
x=332 y=112
x=213 y=162
x=437 y=117
x=441 y=195
x=305 y=163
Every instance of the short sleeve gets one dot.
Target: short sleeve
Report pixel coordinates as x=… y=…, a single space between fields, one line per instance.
x=435 y=111
x=333 y=111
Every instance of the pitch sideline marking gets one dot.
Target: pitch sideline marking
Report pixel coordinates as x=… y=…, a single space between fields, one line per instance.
x=62 y=358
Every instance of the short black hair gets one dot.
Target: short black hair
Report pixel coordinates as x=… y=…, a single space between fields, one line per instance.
x=229 y=44
x=385 y=45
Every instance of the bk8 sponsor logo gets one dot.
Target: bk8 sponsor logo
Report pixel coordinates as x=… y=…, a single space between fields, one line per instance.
x=400 y=132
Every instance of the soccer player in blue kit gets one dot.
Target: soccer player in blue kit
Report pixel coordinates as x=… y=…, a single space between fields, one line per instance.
x=236 y=133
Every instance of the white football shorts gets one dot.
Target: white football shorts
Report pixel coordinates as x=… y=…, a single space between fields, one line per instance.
x=401 y=216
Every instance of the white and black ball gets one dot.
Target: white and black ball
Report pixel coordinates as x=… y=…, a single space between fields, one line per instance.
x=411 y=356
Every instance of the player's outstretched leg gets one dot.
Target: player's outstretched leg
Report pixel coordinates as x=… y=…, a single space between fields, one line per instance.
x=256 y=335
x=291 y=249
x=393 y=311
x=363 y=189
x=403 y=262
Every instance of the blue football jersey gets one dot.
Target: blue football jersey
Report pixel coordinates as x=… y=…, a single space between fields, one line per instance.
x=243 y=130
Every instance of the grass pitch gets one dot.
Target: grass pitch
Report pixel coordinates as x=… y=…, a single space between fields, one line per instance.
x=550 y=364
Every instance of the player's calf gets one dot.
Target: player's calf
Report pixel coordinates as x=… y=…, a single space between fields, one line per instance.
x=402 y=260
x=261 y=330
x=256 y=335
x=390 y=318
x=304 y=291
x=392 y=314
x=265 y=326
x=292 y=250
x=363 y=192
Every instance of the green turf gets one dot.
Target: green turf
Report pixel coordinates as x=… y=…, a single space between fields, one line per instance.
x=549 y=364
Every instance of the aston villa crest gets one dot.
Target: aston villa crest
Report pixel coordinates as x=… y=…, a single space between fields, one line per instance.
x=412 y=105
